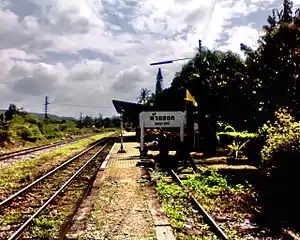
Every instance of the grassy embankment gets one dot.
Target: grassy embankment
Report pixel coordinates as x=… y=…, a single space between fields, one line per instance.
x=26 y=131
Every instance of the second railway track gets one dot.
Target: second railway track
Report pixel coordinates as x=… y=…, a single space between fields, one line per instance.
x=21 y=152
x=20 y=210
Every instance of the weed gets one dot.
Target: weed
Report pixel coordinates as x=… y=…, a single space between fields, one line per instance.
x=13 y=217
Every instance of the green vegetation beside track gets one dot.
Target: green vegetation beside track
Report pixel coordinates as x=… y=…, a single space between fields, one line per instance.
x=231 y=204
x=20 y=129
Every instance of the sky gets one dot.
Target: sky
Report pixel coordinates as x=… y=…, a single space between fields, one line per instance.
x=84 y=53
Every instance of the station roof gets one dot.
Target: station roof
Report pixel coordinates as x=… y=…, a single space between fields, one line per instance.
x=130 y=110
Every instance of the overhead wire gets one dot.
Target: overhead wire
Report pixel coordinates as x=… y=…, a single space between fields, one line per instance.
x=55 y=103
x=78 y=105
x=209 y=19
x=210 y=15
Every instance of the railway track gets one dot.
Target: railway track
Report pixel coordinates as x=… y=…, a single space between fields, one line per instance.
x=48 y=190
x=21 y=152
x=207 y=217
x=215 y=228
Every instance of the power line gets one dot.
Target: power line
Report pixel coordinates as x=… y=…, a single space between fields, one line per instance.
x=77 y=105
x=47 y=103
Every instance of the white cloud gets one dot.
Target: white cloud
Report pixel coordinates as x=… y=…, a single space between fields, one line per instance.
x=128 y=80
x=17 y=54
x=87 y=52
x=238 y=35
x=87 y=70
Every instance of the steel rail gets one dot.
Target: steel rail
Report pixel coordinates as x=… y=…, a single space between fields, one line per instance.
x=27 y=150
x=17 y=234
x=34 y=149
x=218 y=231
x=10 y=198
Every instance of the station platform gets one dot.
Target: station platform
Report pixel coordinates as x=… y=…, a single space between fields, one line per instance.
x=122 y=203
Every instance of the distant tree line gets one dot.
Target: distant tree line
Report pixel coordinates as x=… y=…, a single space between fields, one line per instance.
x=99 y=122
x=86 y=122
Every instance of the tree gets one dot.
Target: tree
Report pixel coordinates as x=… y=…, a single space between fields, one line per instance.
x=274 y=66
x=88 y=121
x=159 y=82
x=99 y=121
x=12 y=110
x=115 y=121
x=144 y=96
x=107 y=122
x=1 y=117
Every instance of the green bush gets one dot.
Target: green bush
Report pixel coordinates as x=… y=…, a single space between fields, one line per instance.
x=23 y=127
x=207 y=183
x=30 y=118
x=283 y=136
x=4 y=136
x=236 y=143
x=228 y=133
x=281 y=155
x=69 y=128
x=24 y=131
x=50 y=130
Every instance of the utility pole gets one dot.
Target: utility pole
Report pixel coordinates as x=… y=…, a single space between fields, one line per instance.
x=180 y=59
x=122 y=150
x=46 y=106
x=80 y=117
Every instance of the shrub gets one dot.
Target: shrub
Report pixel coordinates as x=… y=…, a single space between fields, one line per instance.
x=281 y=155
x=21 y=127
x=50 y=130
x=30 y=118
x=234 y=141
x=26 y=132
x=4 y=136
x=283 y=136
x=69 y=128
x=228 y=134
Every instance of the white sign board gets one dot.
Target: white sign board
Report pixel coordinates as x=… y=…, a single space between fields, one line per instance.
x=161 y=120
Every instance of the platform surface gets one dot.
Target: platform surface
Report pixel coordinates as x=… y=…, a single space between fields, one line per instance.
x=122 y=203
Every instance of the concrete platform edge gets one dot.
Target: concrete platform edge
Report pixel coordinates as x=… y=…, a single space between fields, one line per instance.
x=105 y=162
x=162 y=225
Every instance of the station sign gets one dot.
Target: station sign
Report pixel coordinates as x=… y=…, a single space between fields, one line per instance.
x=162 y=119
